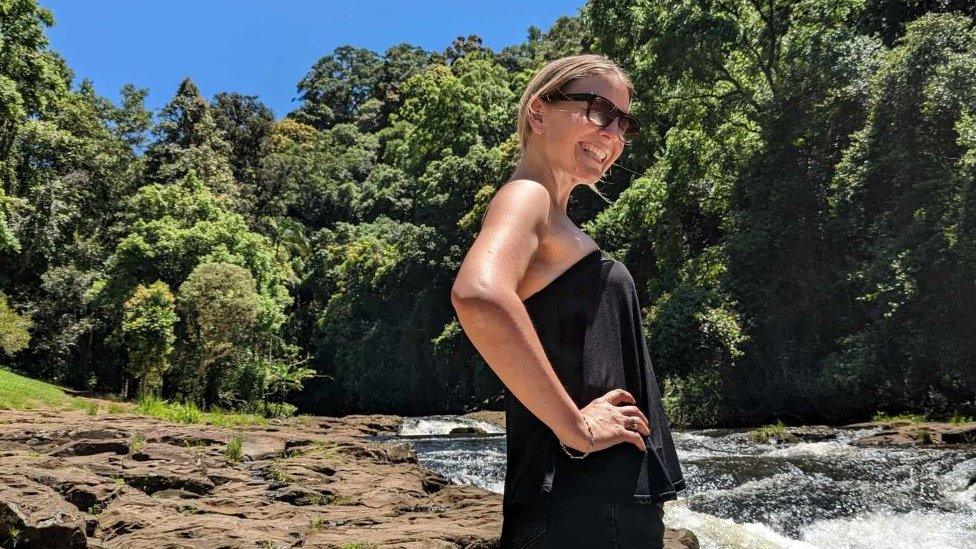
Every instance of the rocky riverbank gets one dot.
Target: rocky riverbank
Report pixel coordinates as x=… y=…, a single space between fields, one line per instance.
x=69 y=479
x=928 y=434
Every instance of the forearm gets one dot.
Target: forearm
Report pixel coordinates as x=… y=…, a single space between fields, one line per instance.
x=502 y=331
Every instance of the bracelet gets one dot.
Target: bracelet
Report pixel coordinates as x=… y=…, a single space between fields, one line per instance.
x=591 y=442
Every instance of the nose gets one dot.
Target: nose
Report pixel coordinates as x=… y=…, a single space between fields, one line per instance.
x=613 y=130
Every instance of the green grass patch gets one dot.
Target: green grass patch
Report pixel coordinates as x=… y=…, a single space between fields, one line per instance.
x=116 y=408
x=179 y=412
x=23 y=393
x=882 y=417
x=233 y=451
x=136 y=443
x=776 y=431
x=959 y=419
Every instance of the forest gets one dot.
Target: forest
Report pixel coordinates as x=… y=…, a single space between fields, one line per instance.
x=799 y=215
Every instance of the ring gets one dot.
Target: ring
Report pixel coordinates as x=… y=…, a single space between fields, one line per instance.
x=632 y=425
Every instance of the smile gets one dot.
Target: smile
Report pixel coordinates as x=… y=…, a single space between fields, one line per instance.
x=595 y=152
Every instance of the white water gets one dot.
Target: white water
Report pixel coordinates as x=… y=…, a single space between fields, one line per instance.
x=740 y=494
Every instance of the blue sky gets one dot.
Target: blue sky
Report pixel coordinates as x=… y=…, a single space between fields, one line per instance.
x=264 y=48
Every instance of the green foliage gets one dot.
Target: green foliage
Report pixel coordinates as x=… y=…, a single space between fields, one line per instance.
x=179 y=412
x=149 y=317
x=903 y=198
x=338 y=85
x=883 y=417
x=189 y=140
x=959 y=419
x=136 y=443
x=447 y=110
x=221 y=306
x=776 y=432
x=695 y=399
x=14 y=328
x=176 y=412
x=233 y=451
x=281 y=378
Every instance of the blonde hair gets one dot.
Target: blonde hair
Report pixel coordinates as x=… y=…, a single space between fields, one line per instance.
x=554 y=75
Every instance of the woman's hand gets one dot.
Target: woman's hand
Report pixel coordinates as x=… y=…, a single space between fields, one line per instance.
x=608 y=417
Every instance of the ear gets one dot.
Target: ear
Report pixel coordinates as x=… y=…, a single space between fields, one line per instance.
x=537 y=111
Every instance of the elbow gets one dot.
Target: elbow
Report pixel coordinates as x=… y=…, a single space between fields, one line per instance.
x=464 y=297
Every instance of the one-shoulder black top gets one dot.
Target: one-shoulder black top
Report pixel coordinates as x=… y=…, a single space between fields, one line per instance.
x=589 y=321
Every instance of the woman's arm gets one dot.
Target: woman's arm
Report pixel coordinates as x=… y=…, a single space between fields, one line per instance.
x=495 y=319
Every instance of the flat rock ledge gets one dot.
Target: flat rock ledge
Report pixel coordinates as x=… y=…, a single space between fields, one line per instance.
x=928 y=434
x=69 y=480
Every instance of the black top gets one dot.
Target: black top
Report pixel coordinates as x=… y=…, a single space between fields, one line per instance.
x=589 y=322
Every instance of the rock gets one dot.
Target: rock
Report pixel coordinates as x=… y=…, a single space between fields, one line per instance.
x=79 y=487
x=679 y=538
x=964 y=434
x=494 y=417
x=935 y=434
x=259 y=447
x=87 y=447
x=35 y=516
x=155 y=451
x=813 y=433
x=151 y=479
x=299 y=495
x=467 y=430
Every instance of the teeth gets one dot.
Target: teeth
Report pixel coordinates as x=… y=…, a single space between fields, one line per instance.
x=595 y=153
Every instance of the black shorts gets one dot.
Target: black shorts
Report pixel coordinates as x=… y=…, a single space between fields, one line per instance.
x=575 y=520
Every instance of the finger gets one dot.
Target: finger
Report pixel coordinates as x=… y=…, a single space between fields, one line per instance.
x=637 y=440
x=640 y=425
x=634 y=411
x=618 y=396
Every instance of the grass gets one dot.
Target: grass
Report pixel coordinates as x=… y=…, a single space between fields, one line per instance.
x=959 y=419
x=342 y=499
x=318 y=523
x=882 y=417
x=277 y=473
x=777 y=431
x=136 y=443
x=179 y=412
x=117 y=408
x=233 y=451
x=22 y=393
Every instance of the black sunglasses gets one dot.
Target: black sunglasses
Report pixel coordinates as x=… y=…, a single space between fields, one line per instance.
x=602 y=112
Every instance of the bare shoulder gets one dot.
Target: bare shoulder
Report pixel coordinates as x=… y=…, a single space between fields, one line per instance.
x=515 y=225
x=521 y=198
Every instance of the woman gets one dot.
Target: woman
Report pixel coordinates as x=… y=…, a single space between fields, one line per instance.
x=560 y=325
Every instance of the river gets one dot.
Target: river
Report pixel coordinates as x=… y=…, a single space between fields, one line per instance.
x=742 y=494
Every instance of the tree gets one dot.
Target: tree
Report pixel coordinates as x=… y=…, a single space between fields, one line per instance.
x=447 y=110
x=149 y=317
x=337 y=85
x=220 y=306
x=244 y=121
x=902 y=206
x=188 y=139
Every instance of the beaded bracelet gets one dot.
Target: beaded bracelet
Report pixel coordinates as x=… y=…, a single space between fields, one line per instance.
x=591 y=442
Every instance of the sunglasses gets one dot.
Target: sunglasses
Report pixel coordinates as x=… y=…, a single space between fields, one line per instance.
x=602 y=112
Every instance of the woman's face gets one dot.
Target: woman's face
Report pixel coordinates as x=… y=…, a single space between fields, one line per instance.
x=567 y=133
